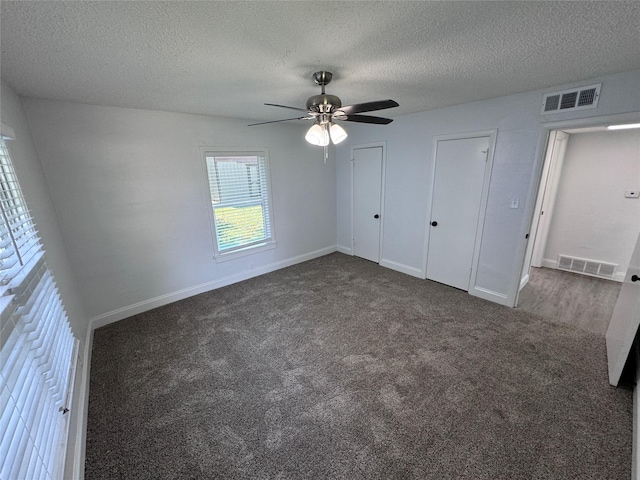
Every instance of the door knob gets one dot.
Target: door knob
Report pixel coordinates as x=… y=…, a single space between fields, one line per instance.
x=635 y=278
x=376 y=216
x=434 y=224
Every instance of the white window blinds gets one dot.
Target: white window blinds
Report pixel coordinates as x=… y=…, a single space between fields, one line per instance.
x=240 y=200
x=36 y=345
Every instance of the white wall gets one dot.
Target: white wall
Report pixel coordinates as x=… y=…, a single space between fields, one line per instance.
x=34 y=186
x=516 y=168
x=592 y=218
x=133 y=201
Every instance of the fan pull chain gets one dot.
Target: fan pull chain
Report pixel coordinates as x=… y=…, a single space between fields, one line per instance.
x=326 y=153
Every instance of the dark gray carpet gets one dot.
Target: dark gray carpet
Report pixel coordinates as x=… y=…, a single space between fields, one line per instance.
x=338 y=368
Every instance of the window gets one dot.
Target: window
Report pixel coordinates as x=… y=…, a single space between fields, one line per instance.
x=240 y=201
x=36 y=345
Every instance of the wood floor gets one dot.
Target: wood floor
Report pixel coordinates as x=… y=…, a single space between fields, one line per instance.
x=580 y=300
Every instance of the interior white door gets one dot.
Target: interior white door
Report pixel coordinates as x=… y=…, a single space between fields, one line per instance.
x=625 y=319
x=554 y=160
x=455 y=206
x=367 y=194
x=554 y=157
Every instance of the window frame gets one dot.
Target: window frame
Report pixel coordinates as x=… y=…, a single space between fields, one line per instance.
x=252 y=248
x=38 y=350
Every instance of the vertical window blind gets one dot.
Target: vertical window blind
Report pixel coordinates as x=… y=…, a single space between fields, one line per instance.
x=240 y=200
x=37 y=346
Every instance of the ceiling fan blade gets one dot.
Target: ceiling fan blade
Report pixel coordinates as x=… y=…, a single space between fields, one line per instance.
x=283 y=120
x=285 y=106
x=365 y=119
x=368 y=107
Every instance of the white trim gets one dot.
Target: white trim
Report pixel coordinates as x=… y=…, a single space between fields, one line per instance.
x=400 y=267
x=145 y=305
x=490 y=295
x=524 y=281
x=345 y=250
x=383 y=188
x=243 y=252
x=82 y=409
x=382 y=145
x=70 y=405
x=351 y=240
x=488 y=170
x=618 y=277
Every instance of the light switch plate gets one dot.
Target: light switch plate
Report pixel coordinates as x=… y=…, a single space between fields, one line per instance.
x=632 y=194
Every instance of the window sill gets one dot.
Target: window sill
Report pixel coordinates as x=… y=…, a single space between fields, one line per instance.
x=224 y=257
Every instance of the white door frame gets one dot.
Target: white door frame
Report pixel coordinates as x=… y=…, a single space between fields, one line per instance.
x=383 y=145
x=541 y=151
x=492 y=134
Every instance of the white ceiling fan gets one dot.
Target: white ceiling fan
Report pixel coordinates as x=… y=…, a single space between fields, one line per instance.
x=324 y=109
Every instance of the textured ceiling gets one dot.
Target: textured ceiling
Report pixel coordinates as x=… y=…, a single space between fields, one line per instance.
x=228 y=58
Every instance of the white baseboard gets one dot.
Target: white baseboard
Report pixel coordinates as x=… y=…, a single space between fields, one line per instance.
x=343 y=249
x=140 y=307
x=399 y=267
x=490 y=295
x=548 y=263
x=524 y=281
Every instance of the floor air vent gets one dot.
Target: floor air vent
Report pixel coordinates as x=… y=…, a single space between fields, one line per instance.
x=586 y=267
x=568 y=100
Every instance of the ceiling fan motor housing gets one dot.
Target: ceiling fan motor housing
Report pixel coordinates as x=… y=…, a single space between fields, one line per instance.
x=323 y=103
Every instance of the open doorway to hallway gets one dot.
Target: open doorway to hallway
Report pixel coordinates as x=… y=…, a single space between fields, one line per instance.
x=584 y=228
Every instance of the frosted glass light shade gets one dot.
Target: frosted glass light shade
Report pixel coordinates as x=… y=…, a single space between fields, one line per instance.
x=337 y=133
x=317 y=135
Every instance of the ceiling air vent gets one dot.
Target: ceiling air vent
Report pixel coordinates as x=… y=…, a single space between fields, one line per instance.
x=568 y=100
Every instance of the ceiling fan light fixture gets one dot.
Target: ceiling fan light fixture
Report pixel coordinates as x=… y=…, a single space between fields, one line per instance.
x=322 y=109
x=317 y=135
x=337 y=133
